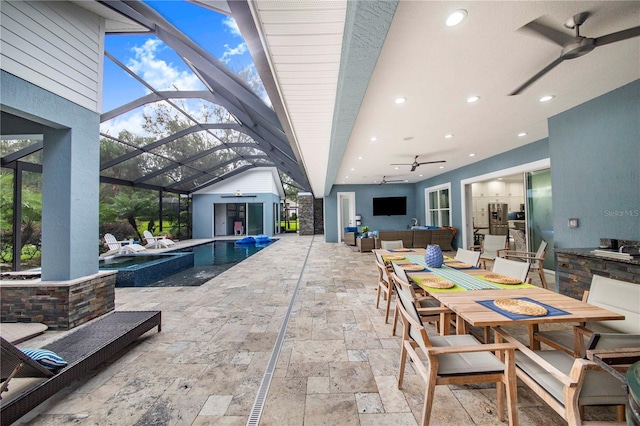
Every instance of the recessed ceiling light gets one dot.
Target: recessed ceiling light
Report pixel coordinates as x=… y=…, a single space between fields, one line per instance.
x=456 y=17
x=420 y=175
x=397 y=168
x=361 y=158
x=346 y=177
x=521 y=134
x=442 y=167
x=499 y=178
x=546 y=98
x=352 y=169
x=408 y=138
x=373 y=139
x=472 y=155
x=449 y=136
x=472 y=99
x=401 y=100
x=406 y=180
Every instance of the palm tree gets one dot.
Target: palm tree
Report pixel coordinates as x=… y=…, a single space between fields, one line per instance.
x=134 y=204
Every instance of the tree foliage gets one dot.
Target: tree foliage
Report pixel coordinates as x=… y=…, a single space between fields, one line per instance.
x=131 y=205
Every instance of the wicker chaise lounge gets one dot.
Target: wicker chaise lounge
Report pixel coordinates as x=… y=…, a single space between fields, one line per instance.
x=84 y=349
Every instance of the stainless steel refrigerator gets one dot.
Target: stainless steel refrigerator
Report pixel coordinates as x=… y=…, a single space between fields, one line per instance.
x=498 y=219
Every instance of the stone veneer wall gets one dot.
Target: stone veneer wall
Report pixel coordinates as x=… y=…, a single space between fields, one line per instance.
x=318 y=216
x=306 y=213
x=574 y=272
x=59 y=305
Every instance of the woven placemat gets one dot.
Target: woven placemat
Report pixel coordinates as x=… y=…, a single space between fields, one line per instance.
x=521 y=307
x=412 y=267
x=458 y=265
x=393 y=257
x=436 y=282
x=401 y=249
x=501 y=279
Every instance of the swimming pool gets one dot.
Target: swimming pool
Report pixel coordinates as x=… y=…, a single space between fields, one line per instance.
x=140 y=270
x=209 y=260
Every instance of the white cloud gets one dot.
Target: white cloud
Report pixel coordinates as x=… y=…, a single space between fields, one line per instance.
x=157 y=72
x=232 y=25
x=131 y=122
x=229 y=52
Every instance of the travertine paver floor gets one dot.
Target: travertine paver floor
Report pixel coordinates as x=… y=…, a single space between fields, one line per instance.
x=338 y=364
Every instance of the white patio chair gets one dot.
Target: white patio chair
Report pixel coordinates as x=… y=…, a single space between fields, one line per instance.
x=121 y=247
x=454 y=360
x=534 y=258
x=614 y=295
x=490 y=246
x=467 y=256
x=568 y=384
x=391 y=244
x=511 y=268
x=157 y=242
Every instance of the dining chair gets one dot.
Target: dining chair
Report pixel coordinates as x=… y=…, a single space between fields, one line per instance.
x=384 y=285
x=535 y=259
x=391 y=244
x=454 y=360
x=511 y=268
x=568 y=384
x=467 y=256
x=614 y=295
x=424 y=302
x=490 y=246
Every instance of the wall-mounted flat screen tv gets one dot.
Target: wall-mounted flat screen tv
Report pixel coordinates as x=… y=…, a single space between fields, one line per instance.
x=390 y=206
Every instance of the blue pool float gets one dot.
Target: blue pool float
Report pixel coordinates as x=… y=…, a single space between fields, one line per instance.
x=246 y=240
x=263 y=238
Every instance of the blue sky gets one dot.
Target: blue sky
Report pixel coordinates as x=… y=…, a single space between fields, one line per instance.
x=154 y=61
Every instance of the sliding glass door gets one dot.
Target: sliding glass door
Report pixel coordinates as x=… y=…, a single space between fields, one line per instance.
x=255 y=218
x=540 y=213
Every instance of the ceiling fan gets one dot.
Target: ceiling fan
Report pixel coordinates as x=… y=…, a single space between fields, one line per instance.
x=572 y=46
x=384 y=180
x=415 y=163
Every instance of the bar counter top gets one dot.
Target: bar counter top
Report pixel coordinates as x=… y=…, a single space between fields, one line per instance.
x=587 y=252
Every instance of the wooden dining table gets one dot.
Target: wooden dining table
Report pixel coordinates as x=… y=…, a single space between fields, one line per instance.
x=475 y=307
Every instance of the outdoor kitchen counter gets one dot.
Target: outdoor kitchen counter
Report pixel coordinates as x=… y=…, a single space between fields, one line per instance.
x=576 y=266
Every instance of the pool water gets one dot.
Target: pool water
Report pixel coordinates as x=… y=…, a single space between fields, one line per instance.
x=209 y=260
x=120 y=262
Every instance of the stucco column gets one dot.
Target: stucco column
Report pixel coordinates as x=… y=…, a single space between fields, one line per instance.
x=70 y=188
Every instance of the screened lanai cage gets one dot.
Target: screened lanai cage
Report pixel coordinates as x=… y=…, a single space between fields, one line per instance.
x=161 y=139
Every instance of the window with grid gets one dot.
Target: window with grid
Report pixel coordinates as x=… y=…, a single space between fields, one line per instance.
x=438 y=205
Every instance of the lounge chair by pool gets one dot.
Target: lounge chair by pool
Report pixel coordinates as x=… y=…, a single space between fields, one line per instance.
x=157 y=242
x=83 y=349
x=120 y=247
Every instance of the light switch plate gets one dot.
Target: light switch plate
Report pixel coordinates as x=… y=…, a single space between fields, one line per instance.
x=573 y=222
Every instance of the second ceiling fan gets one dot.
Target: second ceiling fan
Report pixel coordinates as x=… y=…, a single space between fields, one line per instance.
x=415 y=163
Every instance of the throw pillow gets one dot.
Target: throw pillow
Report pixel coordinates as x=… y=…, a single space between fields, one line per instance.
x=46 y=358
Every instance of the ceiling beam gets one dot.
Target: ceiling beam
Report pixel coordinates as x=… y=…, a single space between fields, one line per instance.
x=223 y=177
x=193 y=158
x=28 y=150
x=155 y=97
